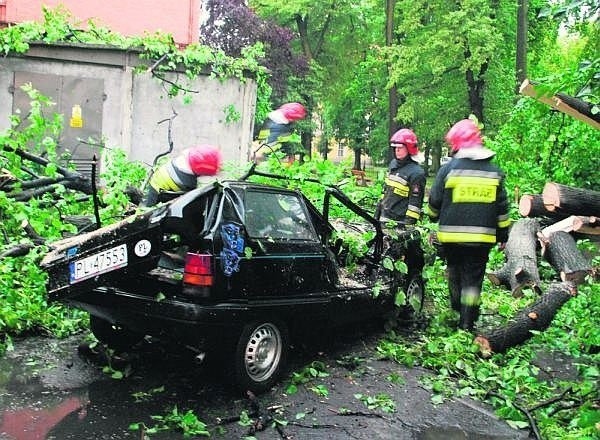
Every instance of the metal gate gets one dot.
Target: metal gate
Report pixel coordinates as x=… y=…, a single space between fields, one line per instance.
x=80 y=101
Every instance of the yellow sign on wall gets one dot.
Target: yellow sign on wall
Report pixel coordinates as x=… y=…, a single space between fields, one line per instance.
x=76 y=118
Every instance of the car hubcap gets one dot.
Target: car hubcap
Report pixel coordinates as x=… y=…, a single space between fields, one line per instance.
x=414 y=295
x=263 y=352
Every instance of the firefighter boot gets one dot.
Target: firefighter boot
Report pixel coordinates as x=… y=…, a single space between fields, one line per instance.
x=468 y=316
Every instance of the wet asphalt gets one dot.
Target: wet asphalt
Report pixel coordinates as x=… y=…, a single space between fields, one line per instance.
x=56 y=389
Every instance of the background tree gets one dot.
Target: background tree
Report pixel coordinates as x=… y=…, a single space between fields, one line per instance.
x=521 y=57
x=231 y=26
x=390 y=12
x=554 y=146
x=336 y=37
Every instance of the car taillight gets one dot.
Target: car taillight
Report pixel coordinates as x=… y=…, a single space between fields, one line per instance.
x=198 y=270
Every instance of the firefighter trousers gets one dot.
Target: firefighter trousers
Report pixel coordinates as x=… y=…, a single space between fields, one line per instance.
x=466 y=269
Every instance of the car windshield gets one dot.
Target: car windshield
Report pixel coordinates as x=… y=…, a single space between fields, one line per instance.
x=278 y=216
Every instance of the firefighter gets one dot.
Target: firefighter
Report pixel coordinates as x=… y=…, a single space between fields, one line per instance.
x=469 y=201
x=276 y=131
x=405 y=183
x=402 y=201
x=181 y=172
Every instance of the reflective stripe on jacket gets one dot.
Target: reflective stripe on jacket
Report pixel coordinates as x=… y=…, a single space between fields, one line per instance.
x=170 y=178
x=469 y=200
x=403 y=192
x=273 y=133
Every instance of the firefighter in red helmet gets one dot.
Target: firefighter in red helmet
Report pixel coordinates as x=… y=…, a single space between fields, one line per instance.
x=405 y=182
x=400 y=207
x=181 y=172
x=276 y=131
x=469 y=201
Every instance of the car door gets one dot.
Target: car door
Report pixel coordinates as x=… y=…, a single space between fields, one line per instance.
x=285 y=257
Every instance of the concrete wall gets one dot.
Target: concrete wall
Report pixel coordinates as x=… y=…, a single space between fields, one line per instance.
x=135 y=104
x=179 y=18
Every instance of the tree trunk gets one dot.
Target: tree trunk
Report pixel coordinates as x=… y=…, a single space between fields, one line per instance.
x=537 y=316
x=532 y=205
x=390 y=7
x=561 y=252
x=520 y=269
x=572 y=200
x=521 y=59
x=357 y=165
x=475 y=84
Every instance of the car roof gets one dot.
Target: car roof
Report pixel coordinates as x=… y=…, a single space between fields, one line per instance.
x=176 y=206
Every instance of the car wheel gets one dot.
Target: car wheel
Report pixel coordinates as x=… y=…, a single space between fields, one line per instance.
x=113 y=335
x=260 y=355
x=415 y=295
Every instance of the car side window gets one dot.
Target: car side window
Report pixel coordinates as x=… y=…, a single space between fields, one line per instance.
x=277 y=216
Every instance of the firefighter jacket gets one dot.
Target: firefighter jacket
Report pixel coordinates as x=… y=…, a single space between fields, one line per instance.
x=276 y=130
x=403 y=192
x=469 y=200
x=173 y=176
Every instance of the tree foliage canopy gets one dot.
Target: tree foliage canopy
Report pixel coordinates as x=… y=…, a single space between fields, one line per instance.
x=447 y=60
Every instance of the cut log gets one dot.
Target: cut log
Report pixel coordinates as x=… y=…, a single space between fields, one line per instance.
x=561 y=252
x=532 y=205
x=572 y=200
x=536 y=316
x=19 y=250
x=574 y=223
x=32 y=233
x=520 y=269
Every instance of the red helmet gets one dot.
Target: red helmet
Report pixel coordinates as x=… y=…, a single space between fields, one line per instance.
x=293 y=111
x=405 y=137
x=464 y=134
x=204 y=160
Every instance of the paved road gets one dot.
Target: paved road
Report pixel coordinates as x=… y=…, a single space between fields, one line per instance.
x=51 y=390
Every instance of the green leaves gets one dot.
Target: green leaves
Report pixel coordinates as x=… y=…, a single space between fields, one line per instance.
x=515 y=379
x=187 y=423
x=380 y=401
x=314 y=370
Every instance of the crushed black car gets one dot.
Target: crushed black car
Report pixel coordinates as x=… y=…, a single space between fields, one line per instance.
x=235 y=268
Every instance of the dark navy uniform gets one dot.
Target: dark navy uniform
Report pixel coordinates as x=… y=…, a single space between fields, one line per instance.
x=404 y=191
x=469 y=200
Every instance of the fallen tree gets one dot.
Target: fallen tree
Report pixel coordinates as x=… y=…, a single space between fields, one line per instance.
x=24 y=190
x=520 y=269
x=537 y=316
x=532 y=205
x=567 y=199
x=557 y=207
x=560 y=249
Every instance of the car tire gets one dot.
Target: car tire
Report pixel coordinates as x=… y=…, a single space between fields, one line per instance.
x=113 y=335
x=415 y=296
x=260 y=355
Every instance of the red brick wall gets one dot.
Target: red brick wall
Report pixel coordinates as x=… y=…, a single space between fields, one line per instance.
x=180 y=18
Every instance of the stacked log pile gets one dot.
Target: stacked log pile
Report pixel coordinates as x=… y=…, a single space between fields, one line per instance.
x=552 y=222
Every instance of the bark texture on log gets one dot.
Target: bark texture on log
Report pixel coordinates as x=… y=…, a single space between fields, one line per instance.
x=560 y=249
x=536 y=316
x=532 y=205
x=572 y=200
x=520 y=269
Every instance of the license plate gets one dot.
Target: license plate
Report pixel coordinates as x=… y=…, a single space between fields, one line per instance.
x=99 y=263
